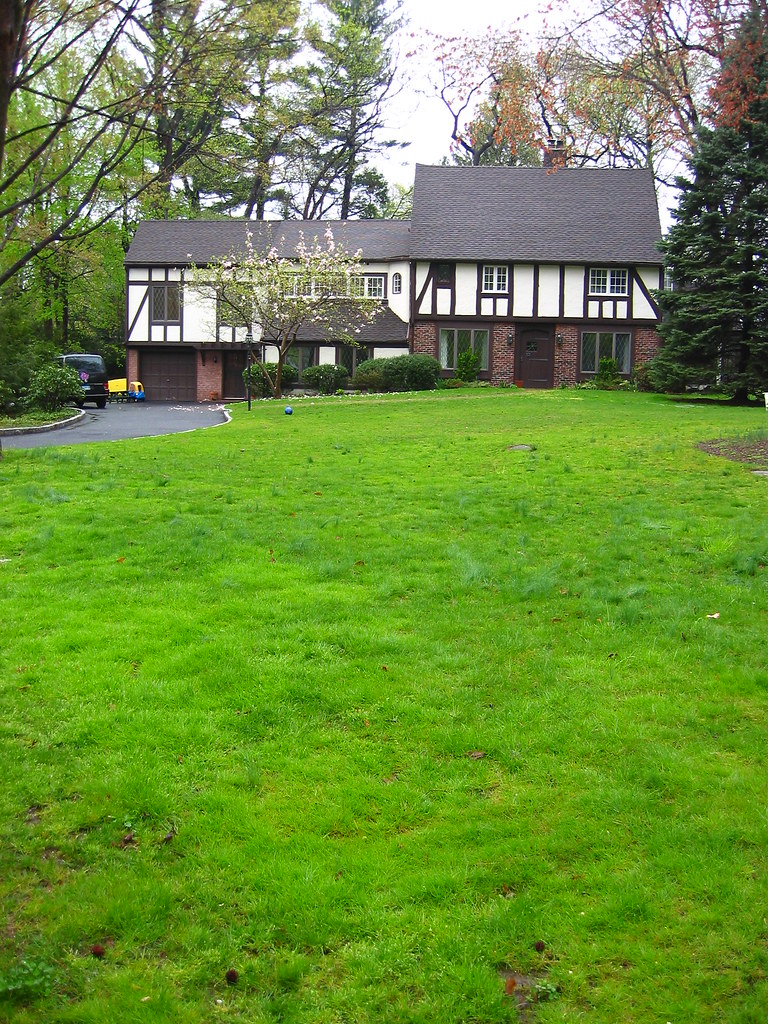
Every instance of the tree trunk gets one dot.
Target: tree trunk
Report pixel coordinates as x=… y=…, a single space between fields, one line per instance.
x=12 y=31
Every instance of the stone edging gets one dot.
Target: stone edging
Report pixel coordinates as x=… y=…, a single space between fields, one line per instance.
x=14 y=431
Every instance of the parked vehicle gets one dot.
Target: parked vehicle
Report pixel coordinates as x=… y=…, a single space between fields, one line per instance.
x=93 y=374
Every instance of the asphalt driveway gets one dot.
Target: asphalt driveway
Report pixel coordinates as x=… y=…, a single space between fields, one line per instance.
x=121 y=420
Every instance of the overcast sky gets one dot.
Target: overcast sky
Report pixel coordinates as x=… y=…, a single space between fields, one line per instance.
x=419 y=119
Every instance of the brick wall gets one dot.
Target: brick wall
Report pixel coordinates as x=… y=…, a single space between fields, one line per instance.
x=132 y=365
x=425 y=339
x=502 y=354
x=208 y=376
x=647 y=344
x=567 y=354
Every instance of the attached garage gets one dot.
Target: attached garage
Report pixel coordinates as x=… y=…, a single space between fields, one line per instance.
x=169 y=376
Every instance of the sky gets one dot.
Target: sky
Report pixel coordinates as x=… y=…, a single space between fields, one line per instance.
x=418 y=118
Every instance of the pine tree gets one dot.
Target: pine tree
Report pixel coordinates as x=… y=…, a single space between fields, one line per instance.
x=715 y=326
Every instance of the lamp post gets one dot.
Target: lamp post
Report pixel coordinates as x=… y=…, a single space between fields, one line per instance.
x=249 y=342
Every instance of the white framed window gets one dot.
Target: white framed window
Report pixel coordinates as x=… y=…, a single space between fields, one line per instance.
x=374 y=287
x=371 y=286
x=494 y=277
x=605 y=281
x=597 y=345
x=669 y=281
x=455 y=340
x=397 y=283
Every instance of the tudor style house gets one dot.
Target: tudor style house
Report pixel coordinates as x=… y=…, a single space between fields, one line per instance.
x=542 y=272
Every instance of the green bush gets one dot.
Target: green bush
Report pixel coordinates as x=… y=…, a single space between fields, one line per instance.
x=467 y=365
x=371 y=379
x=607 y=376
x=398 y=373
x=327 y=378
x=641 y=375
x=53 y=387
x=9 y=400
x=260 y=386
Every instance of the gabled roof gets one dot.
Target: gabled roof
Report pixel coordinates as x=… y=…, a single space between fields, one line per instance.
x=180 y=243
x=569 y=215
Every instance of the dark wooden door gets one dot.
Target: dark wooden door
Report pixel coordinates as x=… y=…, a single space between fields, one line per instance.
x=536 y=356
x=232 y=377
x=169 y=376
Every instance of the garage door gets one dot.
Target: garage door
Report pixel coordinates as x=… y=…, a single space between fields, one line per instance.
x=169 y=376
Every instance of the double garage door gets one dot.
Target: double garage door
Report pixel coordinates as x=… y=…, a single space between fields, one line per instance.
x=169 y=376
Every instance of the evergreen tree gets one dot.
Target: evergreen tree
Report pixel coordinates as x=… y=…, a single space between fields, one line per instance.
x=715 y=326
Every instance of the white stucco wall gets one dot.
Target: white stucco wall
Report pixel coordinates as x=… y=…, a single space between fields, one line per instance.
x=522 y=304
x=466 y=289
x=640 y=305
x=549 y=291
x=574 y=291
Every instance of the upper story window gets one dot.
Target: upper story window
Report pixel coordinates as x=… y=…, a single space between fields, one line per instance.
x=604 y=281
x=374 y=287
x=669 y=280
x=397 y=283
x=371 y=286
x=494 y=277
x=166 y=303
x=443 y=275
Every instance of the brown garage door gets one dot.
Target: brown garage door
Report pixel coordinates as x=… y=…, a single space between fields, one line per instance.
x=169 y=376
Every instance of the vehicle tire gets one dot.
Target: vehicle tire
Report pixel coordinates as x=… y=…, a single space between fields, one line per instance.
x=101 y=403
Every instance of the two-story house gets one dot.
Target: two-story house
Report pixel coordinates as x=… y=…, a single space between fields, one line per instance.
x=541 y=272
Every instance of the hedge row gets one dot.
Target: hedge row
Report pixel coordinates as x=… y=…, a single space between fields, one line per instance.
x=398 y=373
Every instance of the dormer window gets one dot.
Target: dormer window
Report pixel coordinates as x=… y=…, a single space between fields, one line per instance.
x=397 y=284
x=607 y=281
x=495 y=277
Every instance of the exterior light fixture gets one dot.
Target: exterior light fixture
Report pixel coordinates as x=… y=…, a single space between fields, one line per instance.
x=510 y=338
x=559 y=339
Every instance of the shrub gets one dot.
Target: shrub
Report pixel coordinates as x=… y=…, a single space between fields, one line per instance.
x=607 y=376
x=55 y=386
x=641 y=377
x=260 y=387
x=398 y=373
x=9 y=404
x=422 y=372
x=467 y=365
x=370 y=374
x=454 y=382
x=371 y=379
x=327 y=378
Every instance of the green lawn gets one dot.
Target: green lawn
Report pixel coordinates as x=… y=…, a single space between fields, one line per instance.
x=376 y=711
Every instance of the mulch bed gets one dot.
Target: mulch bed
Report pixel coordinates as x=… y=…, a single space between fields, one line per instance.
x=753 y=452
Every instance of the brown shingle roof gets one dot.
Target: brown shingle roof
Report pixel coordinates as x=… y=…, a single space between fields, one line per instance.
x=571 y=215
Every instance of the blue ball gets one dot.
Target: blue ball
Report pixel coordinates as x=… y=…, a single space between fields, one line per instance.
x=288 y=411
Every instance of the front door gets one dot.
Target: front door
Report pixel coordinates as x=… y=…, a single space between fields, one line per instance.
x=536 y=356
x=233 y=384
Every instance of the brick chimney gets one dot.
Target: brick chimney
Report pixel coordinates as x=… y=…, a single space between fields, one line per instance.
x=555 y=154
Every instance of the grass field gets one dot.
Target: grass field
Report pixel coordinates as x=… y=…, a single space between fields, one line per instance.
x=383 y=715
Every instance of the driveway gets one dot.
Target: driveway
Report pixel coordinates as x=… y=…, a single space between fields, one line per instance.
x=121 y=420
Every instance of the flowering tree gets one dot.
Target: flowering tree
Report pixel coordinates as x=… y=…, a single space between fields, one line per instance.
x=315 y=289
